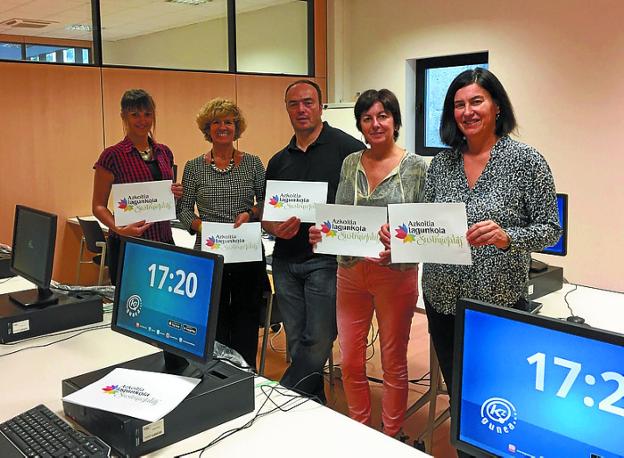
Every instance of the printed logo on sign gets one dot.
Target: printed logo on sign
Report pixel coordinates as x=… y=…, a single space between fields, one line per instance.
x=123 y=205
x=142 y=202
x=326 y=228
x=499 y=415
x=130 y=392
x=110 y=389
x=402 y=234
x=275 y=201
x=427 y=233
x=133 y=305
x=212 y=243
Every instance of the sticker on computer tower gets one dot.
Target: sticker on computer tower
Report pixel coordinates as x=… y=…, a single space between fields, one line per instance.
x=20 y=326
x=153 y=430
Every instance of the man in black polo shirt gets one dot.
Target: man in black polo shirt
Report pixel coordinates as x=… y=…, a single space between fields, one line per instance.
x=305 y=282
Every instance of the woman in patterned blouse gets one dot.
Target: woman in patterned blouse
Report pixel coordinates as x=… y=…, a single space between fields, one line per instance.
x=378 y=176
x=227 y=186
x=137 y=158
x=510 y=200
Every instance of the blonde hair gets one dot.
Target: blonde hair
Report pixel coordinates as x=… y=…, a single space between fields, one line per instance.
x=219 y=108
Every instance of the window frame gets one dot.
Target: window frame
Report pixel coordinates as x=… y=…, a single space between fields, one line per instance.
x=422 y=65
x=95 y=51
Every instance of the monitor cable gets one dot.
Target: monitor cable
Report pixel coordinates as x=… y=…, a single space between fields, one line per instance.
x=76 y=334
x=293 y=401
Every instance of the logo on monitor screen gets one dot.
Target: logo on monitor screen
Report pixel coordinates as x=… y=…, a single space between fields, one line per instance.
x=133 y=305
x=499 y=415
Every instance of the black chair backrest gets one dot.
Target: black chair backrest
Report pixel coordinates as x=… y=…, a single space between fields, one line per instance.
x=92 y=233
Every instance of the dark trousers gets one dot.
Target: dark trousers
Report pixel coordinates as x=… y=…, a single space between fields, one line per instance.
x=242 y=291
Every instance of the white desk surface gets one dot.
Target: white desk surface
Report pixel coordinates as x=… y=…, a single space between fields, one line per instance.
x=601 y=309
x=34 y=376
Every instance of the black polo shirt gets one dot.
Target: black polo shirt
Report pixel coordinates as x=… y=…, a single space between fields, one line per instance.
x=321 y=162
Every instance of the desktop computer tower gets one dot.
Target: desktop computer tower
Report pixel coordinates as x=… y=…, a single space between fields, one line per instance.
x=545 y=282
x=5 y=266
x=224 y=393
x=71 y=310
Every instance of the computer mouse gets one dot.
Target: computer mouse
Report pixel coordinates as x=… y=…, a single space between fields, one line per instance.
x=576 y=319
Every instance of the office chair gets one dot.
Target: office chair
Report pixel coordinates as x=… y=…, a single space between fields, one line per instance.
x=93 y=238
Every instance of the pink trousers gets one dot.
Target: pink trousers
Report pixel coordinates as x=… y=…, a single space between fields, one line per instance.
x=392 y=295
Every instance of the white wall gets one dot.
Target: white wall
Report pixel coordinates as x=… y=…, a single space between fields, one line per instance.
x=561 y=63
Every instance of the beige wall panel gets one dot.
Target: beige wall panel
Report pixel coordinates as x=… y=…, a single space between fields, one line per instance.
x=51 y=118
x=178 y=96
x=262 y=100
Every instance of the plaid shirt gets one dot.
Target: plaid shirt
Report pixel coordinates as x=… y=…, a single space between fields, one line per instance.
x=125 y=163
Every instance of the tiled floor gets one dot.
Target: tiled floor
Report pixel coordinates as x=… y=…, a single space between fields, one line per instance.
x=418 y=360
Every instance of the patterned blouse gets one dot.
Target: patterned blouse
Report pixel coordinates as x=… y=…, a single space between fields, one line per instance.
x=404 y=184
x=220 y=197
x=517 y=191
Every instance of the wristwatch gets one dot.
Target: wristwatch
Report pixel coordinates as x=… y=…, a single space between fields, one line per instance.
x=251 y=214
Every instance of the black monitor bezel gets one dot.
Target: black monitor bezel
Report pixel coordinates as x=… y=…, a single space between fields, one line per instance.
x=564 y=224
x=215 y=296
x=517 y=315
x=43 y=284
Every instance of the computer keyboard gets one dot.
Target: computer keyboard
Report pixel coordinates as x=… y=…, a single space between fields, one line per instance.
x=39 y=432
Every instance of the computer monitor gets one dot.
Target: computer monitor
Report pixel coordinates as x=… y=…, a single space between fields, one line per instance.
x=34 y=237
x=531 y=386
x=168 y=296
x=561 y=247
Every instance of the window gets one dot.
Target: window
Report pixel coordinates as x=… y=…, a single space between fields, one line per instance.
x=10 y=51
x=272 y=38
x=166 y=34
x=58 y=31
x=256 y=36
x=61 y=54
x=433 y=77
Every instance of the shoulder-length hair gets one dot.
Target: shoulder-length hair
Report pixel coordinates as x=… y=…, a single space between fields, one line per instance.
x=505 y=122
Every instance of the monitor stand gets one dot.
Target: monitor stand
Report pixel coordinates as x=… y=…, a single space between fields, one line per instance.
x=34 y=297
x=177 y=365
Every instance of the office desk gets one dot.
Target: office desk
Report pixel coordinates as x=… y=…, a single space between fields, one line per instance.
x=181 y=237
x=34 y=376
x=600 y=308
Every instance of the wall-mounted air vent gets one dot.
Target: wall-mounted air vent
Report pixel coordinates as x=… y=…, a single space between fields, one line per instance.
x=27 y=23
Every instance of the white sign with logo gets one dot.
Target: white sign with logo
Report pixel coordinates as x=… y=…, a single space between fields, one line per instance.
x=433 y=232
x=349 y=230
x=243 y=244
x=150 y=201
x=285 y=199
x=145 y=395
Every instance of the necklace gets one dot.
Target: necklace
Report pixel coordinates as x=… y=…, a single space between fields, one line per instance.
x=217 y=169
x=147 y=154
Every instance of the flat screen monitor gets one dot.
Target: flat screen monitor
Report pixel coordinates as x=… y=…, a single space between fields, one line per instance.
x=531 y=386
x=168 y=296
x=34 y=237
x=561 y=247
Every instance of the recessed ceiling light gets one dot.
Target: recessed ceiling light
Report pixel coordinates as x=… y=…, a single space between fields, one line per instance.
x=79 y=27
x=189 y=2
